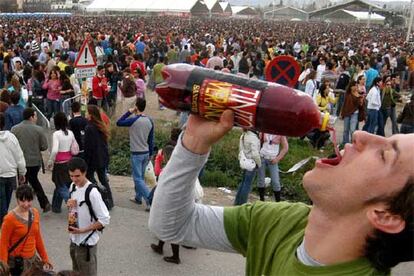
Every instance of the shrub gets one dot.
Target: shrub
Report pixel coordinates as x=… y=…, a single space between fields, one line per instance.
x=222 y=168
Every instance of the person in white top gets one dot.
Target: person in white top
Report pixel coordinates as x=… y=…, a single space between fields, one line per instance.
x=12 y=163
x=374 y=104
x=311 y=87
x=250 y=145
x=303 y=75
x=236 y=57
x=271 y=155
x=92 y=217
x=215 y=62
x=320 y=69
x=60 y=155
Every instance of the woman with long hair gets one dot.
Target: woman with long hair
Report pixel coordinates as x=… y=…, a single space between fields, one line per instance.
x=61 y=153
x=140 y=84
x=360 y=81
x=96 y=150
x=352 y=111
x=21 y=238
x=53 y=85
x=310 y=84
x=323 y=99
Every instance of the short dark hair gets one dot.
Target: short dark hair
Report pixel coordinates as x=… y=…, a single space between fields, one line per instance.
x=15 y=97
x=2 y=121
x=385 y=250
x=141 y=104
x=76 y=106
x=28 y=112
x=330 y=65
x=24 y=192
x=77 y=163
x=99 y=68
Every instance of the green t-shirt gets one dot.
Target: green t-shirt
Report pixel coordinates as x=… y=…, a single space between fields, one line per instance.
x=157 y=73
x=268 y=234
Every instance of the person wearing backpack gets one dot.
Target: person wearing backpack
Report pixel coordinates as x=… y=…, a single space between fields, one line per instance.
x=92 y=217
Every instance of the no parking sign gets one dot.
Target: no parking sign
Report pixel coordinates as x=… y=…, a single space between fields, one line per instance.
x=283 y=70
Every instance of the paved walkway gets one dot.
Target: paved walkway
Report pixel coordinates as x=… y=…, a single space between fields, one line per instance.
x=124 y=248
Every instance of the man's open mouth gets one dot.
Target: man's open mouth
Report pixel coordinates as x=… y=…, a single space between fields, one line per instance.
x=332 y=160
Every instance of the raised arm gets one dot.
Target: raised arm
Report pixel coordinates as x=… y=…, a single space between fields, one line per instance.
x=175 y=217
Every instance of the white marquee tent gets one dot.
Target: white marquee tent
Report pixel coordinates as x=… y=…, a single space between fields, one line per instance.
x=213 y=6
x=243 y=11
x=226 y=7
x=180 y=6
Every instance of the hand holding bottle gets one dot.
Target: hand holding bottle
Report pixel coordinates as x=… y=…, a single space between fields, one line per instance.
x=200 y=134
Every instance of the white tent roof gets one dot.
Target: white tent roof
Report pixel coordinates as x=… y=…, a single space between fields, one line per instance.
x=365 y=15
x=168 y=5
x=210 y=3
x=223 y=5
x=237 y=9
x=98 y=5
x=139 y=5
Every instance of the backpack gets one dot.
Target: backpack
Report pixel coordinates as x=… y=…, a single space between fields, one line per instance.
x=87 y=200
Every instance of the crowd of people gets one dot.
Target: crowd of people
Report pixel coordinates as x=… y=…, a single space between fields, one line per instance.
x=356 y=73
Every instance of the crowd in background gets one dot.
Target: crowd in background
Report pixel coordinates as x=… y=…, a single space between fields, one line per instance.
x=356 y=73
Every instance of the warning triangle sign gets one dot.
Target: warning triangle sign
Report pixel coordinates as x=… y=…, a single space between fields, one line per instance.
x=86 y=56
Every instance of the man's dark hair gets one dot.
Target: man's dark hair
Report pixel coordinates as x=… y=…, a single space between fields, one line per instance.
x=92 y=101
x=28 y=112
x=77 y=163
x=141 y=104
x=330 y=65
x=99 y=68
x=64 y=57
x=385 y=250
x=76 y=106
x=15 y=98
x=2 y=121
x=24 y=192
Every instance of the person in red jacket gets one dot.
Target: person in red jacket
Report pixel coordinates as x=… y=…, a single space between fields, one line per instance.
x=100 y=87
x=138 y=62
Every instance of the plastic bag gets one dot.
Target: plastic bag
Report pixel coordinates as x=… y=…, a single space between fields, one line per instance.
x=149 y=175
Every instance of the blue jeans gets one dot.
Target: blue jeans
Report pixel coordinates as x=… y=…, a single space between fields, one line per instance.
x=6 y=190
x=383 y=116
x=53 y=107
x=60 y=193
x=245 y=187
x=139 y=163
x=274 y=175
x=350 y=125
x=372 y=121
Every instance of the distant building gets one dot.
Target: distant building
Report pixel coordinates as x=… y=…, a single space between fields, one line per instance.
x=225 y=6
x=9 y=6
x=244 y=12
x=57 y=5
x=345 y=16
x=286 y=14
x=36 y=5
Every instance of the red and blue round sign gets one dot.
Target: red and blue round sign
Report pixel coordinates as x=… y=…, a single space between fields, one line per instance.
x=283 y=70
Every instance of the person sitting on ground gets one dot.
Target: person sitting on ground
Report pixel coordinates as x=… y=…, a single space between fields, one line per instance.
x=363 y=205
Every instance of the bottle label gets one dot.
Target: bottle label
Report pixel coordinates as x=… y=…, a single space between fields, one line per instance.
x=73 y=218
x=214 y=92
x=213 y=97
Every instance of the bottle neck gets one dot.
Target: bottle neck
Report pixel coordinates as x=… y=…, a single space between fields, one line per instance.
x=327 y=121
